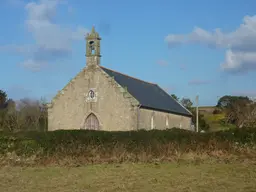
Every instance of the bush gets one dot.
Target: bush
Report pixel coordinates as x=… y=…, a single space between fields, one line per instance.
x=217 y=111
x=98 y=146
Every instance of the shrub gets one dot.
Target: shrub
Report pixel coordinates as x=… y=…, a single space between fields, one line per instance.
x=98 y=146
x=217 y=111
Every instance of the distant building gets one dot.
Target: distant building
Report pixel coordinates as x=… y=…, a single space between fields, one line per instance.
x=103 y=99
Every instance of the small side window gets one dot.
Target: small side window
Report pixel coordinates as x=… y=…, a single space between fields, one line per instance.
x=167 y=122
x=152 y=122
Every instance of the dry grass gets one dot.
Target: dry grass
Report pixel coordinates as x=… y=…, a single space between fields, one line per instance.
x=131 y=177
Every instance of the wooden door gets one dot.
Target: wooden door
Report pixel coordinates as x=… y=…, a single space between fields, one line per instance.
x=92 y=122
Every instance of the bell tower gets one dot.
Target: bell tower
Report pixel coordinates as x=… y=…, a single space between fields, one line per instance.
x=93 y=48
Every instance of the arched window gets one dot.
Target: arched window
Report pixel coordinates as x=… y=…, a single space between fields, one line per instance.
x=92 y=122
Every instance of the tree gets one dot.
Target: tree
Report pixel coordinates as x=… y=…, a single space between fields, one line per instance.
x=26 y=115
x=227 y=101
x=186 y=103
x=202 y=123
x=241 y=113
x=3 y=108
x=33 y=114
x=22 y=115
x=239 y=110
x=175 y=97
x=3 y=98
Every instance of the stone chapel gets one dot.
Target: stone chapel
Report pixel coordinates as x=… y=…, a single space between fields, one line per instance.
x=99 y=98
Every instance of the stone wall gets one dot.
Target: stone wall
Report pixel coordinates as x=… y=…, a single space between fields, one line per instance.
x=115 y=108
x=162 y=120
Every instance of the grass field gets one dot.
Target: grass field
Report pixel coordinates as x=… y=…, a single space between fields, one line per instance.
x=131 y=177
x=214 y=121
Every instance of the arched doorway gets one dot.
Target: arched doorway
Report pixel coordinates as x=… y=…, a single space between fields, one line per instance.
x=92 y=122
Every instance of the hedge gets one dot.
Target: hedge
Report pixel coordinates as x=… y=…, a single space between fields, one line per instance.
x=90 y=143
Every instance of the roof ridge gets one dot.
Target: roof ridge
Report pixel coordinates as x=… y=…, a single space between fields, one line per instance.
x=129 y=76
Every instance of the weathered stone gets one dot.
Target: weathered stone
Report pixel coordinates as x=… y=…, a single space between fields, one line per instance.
x=112 y=105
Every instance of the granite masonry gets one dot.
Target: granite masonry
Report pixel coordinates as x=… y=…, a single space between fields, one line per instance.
x=99 y=98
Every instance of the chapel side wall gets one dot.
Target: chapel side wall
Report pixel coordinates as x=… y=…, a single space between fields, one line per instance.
x=113 y=108
x=159 y=122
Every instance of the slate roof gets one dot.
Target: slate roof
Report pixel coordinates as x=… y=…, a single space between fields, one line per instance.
x=150 y=96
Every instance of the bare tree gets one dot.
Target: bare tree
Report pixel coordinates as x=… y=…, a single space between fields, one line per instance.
x=186 y=102
x=28 y=115
x=242 y=113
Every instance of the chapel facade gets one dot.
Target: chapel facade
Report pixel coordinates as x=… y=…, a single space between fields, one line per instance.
x=99 y=98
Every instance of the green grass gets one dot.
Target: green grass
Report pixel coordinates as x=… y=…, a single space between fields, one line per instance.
x=214 y=121
x=131 y=177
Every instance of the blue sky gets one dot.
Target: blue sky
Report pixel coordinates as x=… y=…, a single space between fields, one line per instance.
x=173 y=43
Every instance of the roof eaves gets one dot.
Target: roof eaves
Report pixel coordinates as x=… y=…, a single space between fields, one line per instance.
x=166 y=111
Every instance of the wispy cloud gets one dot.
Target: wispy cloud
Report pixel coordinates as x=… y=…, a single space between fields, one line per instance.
x=53 y=41
x=17 y=91
x=104 y=28
x=15 y=2
x=33 y=66
x=169 y=89
x=248 y=93
x=183 y=67
x=70 y=10
x=162 y=62
x=198 y=82
x=240 y=44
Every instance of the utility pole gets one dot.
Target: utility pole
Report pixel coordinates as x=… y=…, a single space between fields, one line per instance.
x=197 y=119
